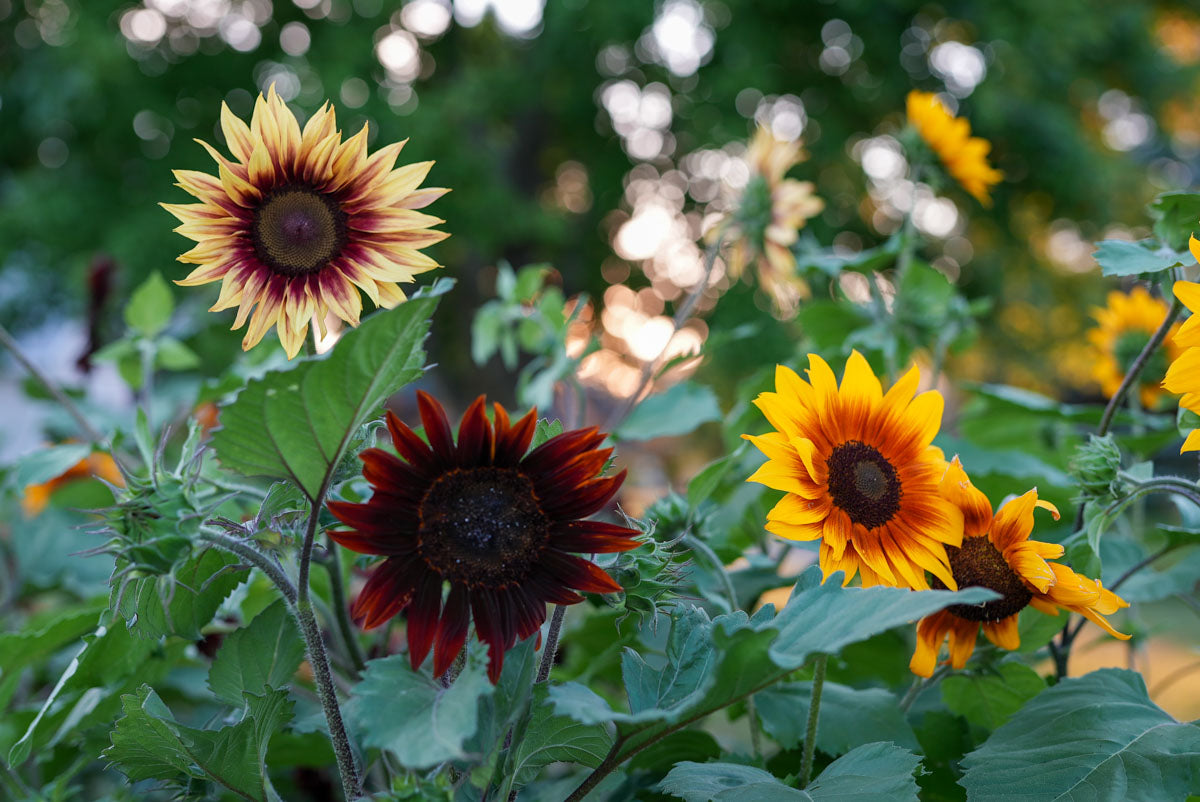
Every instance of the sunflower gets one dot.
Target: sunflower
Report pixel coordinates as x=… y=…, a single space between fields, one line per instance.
x=860 y=473
x=1183 y=376
x=964 y=156
x=771 y=209
x=1125 y=325
x=996 y=553
x=299 y=221
x=37 y=497
x=493 y=523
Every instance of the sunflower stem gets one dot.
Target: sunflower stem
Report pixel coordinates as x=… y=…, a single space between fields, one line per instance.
x=51 y=387
x=699 y=546
x=622 y=411
x=1139 y=364
x=341 y=608
x=814 y=710
x=551 y=649
x=256 y=558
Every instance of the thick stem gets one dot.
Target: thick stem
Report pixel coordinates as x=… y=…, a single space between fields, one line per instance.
x=51 y=386
x=341 y=608
x=814 y=710
x=755 y=738
x=610 y=762
x=319 y=660
x=1139 y=364
x=681 y=315
x=256 y=558
x=551 y=648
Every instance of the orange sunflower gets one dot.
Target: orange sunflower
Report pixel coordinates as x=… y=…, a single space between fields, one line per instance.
x=770 y=211
x=299 y=221
x=1183 y=376
x=860 y=473
x=481 y=516
x=37 y=497
x=1125 y=324
x=996 y=553
x=964 y=156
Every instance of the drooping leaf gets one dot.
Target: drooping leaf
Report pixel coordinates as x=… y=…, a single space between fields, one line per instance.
x=989 y=700
x=149 y=744
x=849 y=717
x=180 y=603
x=264 y=654
x=679 y=410
x=47 y=463
x=413 y=716
x=296 y=424
x=150 y=306
x=1122 y=258
x=1096 y=737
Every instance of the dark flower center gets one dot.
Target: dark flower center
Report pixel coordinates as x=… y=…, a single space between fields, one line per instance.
x=863 y=484
x=978 y=564
x=297 y=230
x=482 y=526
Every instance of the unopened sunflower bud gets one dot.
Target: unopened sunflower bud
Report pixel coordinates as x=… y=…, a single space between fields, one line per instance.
x=1094 y=468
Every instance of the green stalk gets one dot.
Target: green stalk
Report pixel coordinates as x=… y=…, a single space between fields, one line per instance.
x=814 y=709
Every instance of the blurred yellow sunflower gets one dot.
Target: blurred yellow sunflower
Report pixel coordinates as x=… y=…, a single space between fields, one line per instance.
x=1183 y=376
x=763 y=227
x=37 y=497
x=1124 y=326
x=300 y=221
x=964 y=156
x=996 y=553
x=860 y=473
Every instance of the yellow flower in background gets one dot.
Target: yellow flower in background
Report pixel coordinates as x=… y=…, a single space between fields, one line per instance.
x=37 y=497
x=964 y=156
x=770 y=212
x=996 y=553
x=1183 y=376
x=860 y=473
x=300 y=221
x=1125 y=324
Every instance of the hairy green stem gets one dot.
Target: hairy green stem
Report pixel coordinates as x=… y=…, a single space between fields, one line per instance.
x=551 y=648
x=256 y=558
x=51 y=387
x=610 y=762
x=341 y=609
x=814 y=710
x=700 y=547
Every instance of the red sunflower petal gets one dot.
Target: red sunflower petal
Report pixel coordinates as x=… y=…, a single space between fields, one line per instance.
x=475 y=435
x=383 y=470
x=560 y=449
x=372 y=520
x=452 y=629
x=388 y=589
x=423 y=615
x=489 y=630
x=530 y=612
x=593 y=537
x=549 y=588
x=578 y=573
x=512 y=442
x=437 y=427
x=576 y=472
x=411 y=447
x=584 y=500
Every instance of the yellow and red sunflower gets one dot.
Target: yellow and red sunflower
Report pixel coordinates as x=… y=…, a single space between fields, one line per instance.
x=996 y=553
x=860 y=473
x=298 y=221
x=500 y=527
x=964 y=156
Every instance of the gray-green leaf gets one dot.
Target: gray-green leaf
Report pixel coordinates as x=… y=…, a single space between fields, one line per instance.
x=263 y=655
x=679 y=410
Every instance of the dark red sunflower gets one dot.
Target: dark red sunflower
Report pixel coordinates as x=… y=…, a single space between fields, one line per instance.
x=484 y=519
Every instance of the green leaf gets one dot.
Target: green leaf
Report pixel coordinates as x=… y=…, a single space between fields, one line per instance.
x=412 y=716
x=296 y=424
x=1003 y=462
x=150 y=307
x=47 y=463
x=171 y=354
x=850 y=717
x=263 y=655
x=551 y=738
x=545 y=430
x=1176 y=216
x=679 y=410
x=1122 y=258
x=179 y=603
x=1096 y=737
x=1037 y=629
x=19 y=649
x=869 y=773
x=989 y=700
x=149 y=744
x=709 y=478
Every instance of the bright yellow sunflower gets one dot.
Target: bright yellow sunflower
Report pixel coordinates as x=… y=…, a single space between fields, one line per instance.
x=1125 y=325
x=300 y=221
x=963 y=155
x=770 y=211
x=860 y=473
x=996 y=553
x=1183 y=375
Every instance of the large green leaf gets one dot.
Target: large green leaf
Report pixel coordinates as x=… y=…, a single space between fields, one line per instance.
x=180 y=603
x=263 y=655
x=679 y=410
x=296 y=424
x=412 y=716
x=1122 y=258
x=1095 y=738
x=869 y=773
x=551 y=738
x=713 y=663
x=989 y=700
x=34 y=645
x=149 y=744
x=849 y=717
x=47 y=463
